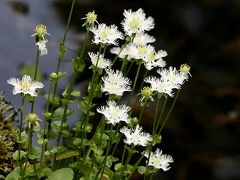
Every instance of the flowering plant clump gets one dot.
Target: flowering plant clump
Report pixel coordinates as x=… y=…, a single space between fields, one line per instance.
x=90 y=149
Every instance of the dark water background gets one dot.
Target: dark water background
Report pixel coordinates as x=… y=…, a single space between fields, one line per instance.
x=204 y=130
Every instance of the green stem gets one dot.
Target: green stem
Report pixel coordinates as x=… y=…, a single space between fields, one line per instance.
x=117 y=56
x=161 y=114
x=84 y=44
x=137 y=163
x=20 y=136
x=60 y=57
x=107 y=153
x=44 y=146
x=141 y=113
x=169 y=112
x=135 y=81
x=129 y=68
x=64 y=116
x=35 y=76
x=128 y=159
x=156 y=114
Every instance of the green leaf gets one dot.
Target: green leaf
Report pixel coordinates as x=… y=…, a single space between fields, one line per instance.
x=61 y=74
x=56 y=126
x=81 y=142
x=141 y=169
x=61 y=174
x=57 y=149
x=76 y=93
x=55 y=101
x=84 y=108
x=16 y=155
x=78 y=64
x=30 y=70
x=58 y=113
x=117 y=166
x=35 y=153
x=14 y=175
x=67 y=154
x=2 y=177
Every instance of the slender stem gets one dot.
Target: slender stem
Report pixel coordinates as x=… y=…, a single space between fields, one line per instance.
x=60 y=57
x=20 y=136
x=149 y=153
x=68 y=22
x=161 y=114
x=84 y=44
x=44 y=146
x=137 y=163
x=107 y=153
x=135 y=81
x=156 y=114
x=69 y=90
x=117 y=56
x=169 y=112
x=141 y=113
x=129 y=68
x=128 y=159
x=35 y=76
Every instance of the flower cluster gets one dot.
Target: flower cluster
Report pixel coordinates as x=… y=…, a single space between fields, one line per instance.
x=95 y=150
x=169 y=80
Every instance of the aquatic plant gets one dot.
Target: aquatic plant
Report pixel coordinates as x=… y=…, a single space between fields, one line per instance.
x=89 y=149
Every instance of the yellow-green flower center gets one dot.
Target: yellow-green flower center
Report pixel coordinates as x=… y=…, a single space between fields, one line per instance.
x=25 y=85
x=41 y=30
x=185 y=68
x=134 y=23
x=104 y=34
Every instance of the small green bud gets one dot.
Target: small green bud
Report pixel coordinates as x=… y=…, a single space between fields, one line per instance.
x=134 y=121
x=47 y=153
x=91 y=17
x=53 y=76
x=32 y=118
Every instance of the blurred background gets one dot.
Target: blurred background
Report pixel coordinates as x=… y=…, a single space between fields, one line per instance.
x=203 y=131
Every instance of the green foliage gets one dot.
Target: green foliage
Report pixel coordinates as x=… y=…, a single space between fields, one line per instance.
x=78 y=64
x=64 y=174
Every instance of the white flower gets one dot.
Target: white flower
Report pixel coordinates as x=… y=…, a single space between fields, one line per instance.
x=143 y=39
x=106 y=34
x=124 y=52
x=161 y=86
x=159 y=160
x=99 y=60
x=115 y=83
x=153 y=59
x=114 y=113
x=42 y=47
x=136 y=22
x=136 y=136
x=170 y=79
x=173 y=75
x=25 y=86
